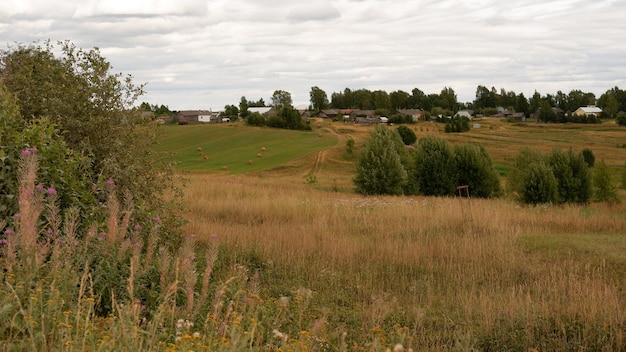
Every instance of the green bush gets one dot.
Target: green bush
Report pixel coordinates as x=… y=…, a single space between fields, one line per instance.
x=589 y=157
x=539 y=185
x=407 y=135
x=457 y=124
x=255 y=119
x=530 y=179
x=435 y=170
x=475 y=169
x=382 y=165
x=65 y=102
x=572 y=176
x=604 y=188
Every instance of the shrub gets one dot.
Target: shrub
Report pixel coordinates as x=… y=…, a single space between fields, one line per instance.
x=81 y=116
x=538 y=184
x=589 y=157
x=604 y=188
x=572 y=176
x=475 y=169
x=435 y=171
x=457 y=124
x=255 y=119
x=530 y=179
x=407 y=135
x=382 y=164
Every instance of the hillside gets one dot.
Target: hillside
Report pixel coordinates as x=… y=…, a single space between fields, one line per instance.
x=295 y=156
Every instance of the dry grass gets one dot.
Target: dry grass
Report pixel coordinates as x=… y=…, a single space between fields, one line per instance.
x=489 y=270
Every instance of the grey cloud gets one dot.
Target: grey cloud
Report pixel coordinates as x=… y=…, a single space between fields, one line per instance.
x=318 y=11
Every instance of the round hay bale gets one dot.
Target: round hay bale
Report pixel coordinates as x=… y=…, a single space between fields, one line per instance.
x=224 y=167
x=259 y=155
x=263 y=149
x=250 y=162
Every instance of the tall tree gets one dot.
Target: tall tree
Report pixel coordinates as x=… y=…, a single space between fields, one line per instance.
x=243 y=107
x=381 y=168
x=318 y=98
x=281 y=98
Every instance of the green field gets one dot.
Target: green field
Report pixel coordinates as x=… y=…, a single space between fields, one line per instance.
x=236 y=148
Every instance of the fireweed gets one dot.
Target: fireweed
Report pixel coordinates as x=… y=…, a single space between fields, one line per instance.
x=111 y=288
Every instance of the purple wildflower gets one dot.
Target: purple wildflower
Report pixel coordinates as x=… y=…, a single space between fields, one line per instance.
x=137 y=228
x=16 y=215
x=4 y=241
x=51 y=191
x=26 y=152
x=8 y=232
x=102 y=234
x=34 y=150
x=39 y=187
x=213 y=236
x=157 y=219
x=110 y=182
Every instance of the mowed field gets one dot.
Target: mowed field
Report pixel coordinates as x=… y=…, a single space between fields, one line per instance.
x=430 y=273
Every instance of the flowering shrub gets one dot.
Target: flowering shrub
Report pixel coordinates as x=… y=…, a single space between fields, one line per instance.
x=112 y=286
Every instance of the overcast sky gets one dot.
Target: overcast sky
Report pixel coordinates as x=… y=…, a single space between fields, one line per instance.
x=204 y=54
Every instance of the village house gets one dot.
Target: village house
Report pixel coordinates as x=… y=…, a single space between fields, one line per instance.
x=416 y=114
x=185 y=117
x=588 y=110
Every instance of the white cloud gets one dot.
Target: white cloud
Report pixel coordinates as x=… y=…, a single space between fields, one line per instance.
x=206 y=54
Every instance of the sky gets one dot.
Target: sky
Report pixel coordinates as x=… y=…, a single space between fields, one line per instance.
x=205 y=54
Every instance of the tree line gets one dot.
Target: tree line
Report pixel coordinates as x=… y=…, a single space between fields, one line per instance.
x=435 y=168
x=552 y=107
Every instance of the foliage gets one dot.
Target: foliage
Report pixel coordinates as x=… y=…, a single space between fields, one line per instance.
x=531 y=179
x=621 y=119
x=538 y=185
x=589 y=157
x=604 y=188
x=231 y=111
x=457 y=124
x=318 y=98
x=349 y=145
x=91 y=110
x=255 y=119
x=281 y=99
x=382 y=168
x=572 y=176
x=158 y=110
x=474 y=168
x=435 y=170
x=407 y=135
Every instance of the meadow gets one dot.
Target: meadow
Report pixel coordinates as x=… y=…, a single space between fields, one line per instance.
x=287 y=257
x=430 y=273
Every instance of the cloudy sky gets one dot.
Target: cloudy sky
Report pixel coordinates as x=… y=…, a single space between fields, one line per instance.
x=204 y=54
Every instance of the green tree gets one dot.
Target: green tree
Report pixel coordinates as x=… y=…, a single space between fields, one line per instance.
x=281 y=98
x=538 y=184
x=530 y=179
x=381 y=167
x=291 y=117
x=318 y=98
x=435 y=171
x=474 y=168
x=243 y=107
x=546 y=114
x=231 y=111
x=588 y=156
x=604 y=188
x=572 y=176
x=407 y=135
x=93 y=111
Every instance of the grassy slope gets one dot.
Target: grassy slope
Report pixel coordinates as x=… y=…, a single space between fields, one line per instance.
x=213 y=147
x=484 y=273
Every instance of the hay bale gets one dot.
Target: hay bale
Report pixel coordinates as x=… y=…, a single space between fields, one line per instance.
x=259 y=155
x=250 y=162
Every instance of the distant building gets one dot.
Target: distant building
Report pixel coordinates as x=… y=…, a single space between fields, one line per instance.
x=588 y=110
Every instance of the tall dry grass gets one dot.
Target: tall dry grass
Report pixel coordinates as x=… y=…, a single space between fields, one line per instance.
x=454 y=273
